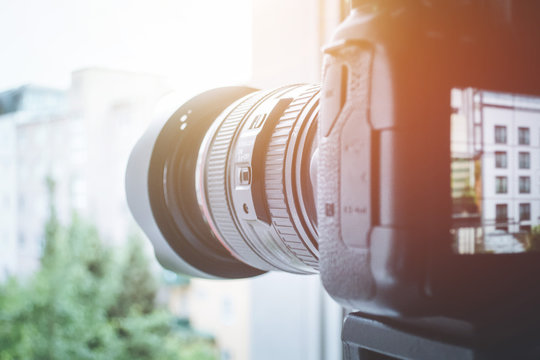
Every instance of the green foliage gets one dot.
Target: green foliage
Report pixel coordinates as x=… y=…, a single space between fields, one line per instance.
x=86 y=302
x=139 y=286
x=534 y=239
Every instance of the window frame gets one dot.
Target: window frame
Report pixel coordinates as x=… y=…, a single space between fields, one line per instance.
x=528 y=157
x=504 y=132
x=503 y=219
x=501 y=183
x=524 y=180
x=503 y=156
x=527 y=139
x=522 y=212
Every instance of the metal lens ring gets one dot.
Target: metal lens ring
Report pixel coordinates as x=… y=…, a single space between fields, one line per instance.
x=247 y=179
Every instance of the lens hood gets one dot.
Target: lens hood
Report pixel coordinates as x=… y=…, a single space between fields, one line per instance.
x=160 y=187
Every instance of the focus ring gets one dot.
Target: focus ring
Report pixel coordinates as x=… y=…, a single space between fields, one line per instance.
x=275 y=188
x=216 y=173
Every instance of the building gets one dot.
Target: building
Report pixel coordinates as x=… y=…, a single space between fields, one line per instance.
x=35 y=135
x=80 y=140
x=276 y=316
x=113 y=108
x=495 y=169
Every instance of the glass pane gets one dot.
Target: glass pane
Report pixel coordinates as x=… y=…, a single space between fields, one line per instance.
x=524 y=185
x=523 y=136
x=524 y=160
x=500 y=159
x=500 y=134
x=495 y=166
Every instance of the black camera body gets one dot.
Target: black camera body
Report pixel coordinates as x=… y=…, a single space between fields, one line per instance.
x=384 y=203
x=376 y=180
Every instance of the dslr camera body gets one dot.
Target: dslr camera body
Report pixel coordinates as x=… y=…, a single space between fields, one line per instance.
x=379 y=180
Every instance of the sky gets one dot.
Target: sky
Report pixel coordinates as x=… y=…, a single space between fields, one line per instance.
x=192 y=43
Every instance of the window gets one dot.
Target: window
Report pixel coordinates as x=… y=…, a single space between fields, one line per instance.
x=523 y=136
x=524 y=160
x=524 y=185
x=500 y=134
x=525 y=228
x=501 y=217
x=501 y=185
x=524 y=212
x=500 y=159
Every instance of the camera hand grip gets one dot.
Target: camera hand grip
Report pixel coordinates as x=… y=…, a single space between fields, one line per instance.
x=345 y=160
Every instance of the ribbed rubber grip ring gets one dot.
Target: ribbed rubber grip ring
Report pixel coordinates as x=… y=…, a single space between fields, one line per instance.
x=216 y=174
x=275 y=173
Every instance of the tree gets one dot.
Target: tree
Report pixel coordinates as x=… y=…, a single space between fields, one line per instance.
x=16 y=332
x=534 y=239
x=138 y=285
x=69 y=297
x=87 y=302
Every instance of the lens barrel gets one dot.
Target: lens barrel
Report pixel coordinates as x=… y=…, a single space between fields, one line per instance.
x=253 y=180
x=223 y=185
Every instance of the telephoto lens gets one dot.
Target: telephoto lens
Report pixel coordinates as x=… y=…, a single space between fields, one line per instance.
x=225 y=186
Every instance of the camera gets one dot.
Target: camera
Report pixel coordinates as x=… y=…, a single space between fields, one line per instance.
x=409 y=179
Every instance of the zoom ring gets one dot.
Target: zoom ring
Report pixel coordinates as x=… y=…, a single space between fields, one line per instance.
x=275 y=188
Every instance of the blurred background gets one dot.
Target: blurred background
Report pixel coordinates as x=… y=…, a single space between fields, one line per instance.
x=78 y=84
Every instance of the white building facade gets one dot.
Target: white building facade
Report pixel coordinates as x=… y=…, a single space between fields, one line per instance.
x=35 y=136
x=511 y=169
x=80 y=140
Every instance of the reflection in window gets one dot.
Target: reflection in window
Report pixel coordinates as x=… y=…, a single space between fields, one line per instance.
x=501 y=185
x=500 y=134
x=524 y=212
x=524 y=185
x=493 y=205
x=500 y=159
x=524 y=160
x=523 y=136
